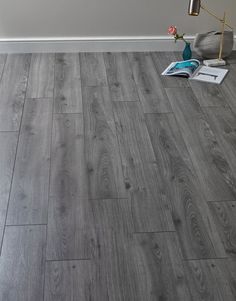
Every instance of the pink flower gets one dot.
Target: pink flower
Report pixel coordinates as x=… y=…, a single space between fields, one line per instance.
x=172 y=30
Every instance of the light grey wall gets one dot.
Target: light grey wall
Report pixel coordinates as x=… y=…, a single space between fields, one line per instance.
x=102 y=18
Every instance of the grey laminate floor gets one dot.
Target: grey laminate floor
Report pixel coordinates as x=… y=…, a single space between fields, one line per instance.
x=116 y=184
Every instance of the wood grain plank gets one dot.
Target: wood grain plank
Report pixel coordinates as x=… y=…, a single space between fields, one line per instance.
x=214 y=173
x=223 y=124
x=224 y=214
x=191 y=216
x=209 y=280
x=161 y=61
x=101 y=146
x=150 y=202
x=29 y=195
x=68 y=97
x=151 y=92
x=22 y=263
x=120 y=77
x=41 y=76
x=93 y=71
x=12 y=91
x=3 y=58
x=8 y=142
x=160 y=270
x=72 y=281
x=68 y=217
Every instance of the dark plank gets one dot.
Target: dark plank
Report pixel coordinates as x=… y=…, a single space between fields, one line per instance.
x=150 y=203
x=41 y=76
x=71 y=281
x=68 y=218
x=93 y=71
x=214 y=173
x=160 y=270
x=8 y=142
x=22 y=263
x=120 y=77
x=152 y=95
x=209 y=280
x=101 y=146
x=223 y=124
x=162 y=60
x=68 y=98
x=192 y=219
x=29 y=194
x=224 y=214
x=12 y=91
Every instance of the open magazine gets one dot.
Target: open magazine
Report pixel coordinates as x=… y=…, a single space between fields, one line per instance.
x=192 y=69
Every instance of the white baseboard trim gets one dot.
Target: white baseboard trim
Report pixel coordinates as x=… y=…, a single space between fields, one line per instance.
x=90 y=44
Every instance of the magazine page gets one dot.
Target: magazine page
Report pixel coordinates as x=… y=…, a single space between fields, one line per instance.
x=183 y=68
x=210 y=74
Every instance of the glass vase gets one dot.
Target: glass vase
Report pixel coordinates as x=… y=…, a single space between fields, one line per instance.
x=187 y=52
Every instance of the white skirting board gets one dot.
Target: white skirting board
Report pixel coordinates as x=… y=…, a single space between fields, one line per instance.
x=90 y=44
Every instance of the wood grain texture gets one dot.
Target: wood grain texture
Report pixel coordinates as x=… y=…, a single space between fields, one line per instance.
x=101 y=146
x=68 y=97
x=22 y=263
x=12 y=91
x=8 y=142
x=151 y=92
x=209 y=280
x=192 y=219
x=68 y=217
x=150 y=202
x=161 y=61
x=93 y=71
x=41 y=76
x=3 y=58
x=224 y=214
x=29 y=195
x=120 y=77
x=223 y=124
x=215 y=175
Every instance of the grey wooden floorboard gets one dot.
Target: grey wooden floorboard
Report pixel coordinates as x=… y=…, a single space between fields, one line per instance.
x=161 y=61
x=215 y=175
x=151 y=92
x=22 y=263
x=101 y=145
x=209 y=280
x=192 y=219
x=68 y=217
x=71 y=281
x=41 y=76
x=12 y=91
x=93 y=71
x=29 y=194
x=68 y=98
x=223 y=124
x=3 y=58
x=120 y=77
x=8 y=143
x=224 y=214
x=149 y=199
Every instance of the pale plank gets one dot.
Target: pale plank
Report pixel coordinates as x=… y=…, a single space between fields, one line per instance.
x=101 y=146
x=214 y=173
x=151 y=92
x=3 y=58
x=12 y=91
x=150 y=201
x=22 y=263
x=93 y=71
x=68 y=98
x=41 y=76
x=191 y=216
x=29 y=194
x=120 y=77
x=68 y=217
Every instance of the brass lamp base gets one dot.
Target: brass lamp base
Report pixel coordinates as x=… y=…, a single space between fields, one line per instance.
x=214 y=62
